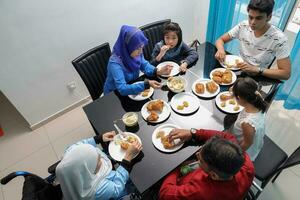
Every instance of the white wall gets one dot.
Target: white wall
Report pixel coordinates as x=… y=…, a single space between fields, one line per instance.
x=39 y=38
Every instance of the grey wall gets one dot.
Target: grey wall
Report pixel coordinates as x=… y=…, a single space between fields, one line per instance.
x=39 y=38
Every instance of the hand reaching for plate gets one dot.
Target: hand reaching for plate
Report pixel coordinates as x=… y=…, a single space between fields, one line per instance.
x=133 y=149
x=154 y=84
x=108 y=136
x=220 y=56
x=182 y=134
x=165 y=70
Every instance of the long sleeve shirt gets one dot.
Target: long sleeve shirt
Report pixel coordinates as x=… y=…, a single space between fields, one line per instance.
x=118 y=78
x=113 y=186
x=187 y=54
x=199 y=186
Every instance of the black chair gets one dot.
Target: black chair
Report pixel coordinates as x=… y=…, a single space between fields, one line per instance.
x=92 y=68
x=154 y=33
x=271 y=161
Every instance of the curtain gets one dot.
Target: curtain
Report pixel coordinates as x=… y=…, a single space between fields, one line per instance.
x=281 y=12
x=290 y=90
x=219 y=18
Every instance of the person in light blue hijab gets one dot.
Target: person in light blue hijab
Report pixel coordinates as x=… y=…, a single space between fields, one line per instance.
x=127 y=61
x=85 y=172
x=172 y=48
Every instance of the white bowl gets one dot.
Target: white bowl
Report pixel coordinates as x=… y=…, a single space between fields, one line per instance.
x=177 y=84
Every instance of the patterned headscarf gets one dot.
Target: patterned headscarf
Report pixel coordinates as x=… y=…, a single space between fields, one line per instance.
x=130 y=39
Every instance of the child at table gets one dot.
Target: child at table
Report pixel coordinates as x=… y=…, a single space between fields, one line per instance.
x=172 y=48
x=249 y=128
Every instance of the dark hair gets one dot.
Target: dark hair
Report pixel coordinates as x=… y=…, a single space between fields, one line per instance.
x=247 y=89
x=172 y=26
x=263 y=6
x=222 y=156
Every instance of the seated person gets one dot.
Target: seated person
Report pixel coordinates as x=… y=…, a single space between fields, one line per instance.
x=260 y=43
x=85 y=172
x=127 y=61
x=225 y=171
x=172 y=48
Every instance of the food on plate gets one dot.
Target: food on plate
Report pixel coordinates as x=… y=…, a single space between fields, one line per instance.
x=156 y=105
x=176 y=83
x=160 y=134
x=222 y=77
x=185 y=104
x=180 y=107
x=223 y=104
x=166 y=142
x=232 y=101
x=211 y=87
x=237 y=61
x=125 y=143
x=145 y=93
x=225 y=97
x=153 y=116
x=230 y=64
x=199 y=88
x=236 y=108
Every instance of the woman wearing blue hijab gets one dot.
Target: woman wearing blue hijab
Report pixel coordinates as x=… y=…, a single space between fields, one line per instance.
x=127 y=61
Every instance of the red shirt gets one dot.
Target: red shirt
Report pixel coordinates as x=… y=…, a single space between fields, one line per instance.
x=198 y=185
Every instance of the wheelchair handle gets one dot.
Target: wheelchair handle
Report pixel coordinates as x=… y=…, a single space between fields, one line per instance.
x=12 y=175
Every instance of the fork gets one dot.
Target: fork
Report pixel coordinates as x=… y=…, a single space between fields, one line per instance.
x=120 y=132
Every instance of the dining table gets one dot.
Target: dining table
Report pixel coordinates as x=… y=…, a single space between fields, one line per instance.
x=152 y=165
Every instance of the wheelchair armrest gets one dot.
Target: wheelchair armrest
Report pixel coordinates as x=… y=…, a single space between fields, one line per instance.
x=52 y=168
x=12 y=175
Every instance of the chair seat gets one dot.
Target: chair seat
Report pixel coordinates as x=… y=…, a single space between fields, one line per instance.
x=269 y=159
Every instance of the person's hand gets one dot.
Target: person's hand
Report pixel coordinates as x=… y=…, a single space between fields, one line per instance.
x=164 y=49
x=133 y=149
x=182 y=134
x=154 y=84
x=246 y=67
x=220 y=55
x=165 y=70
x=108 y=136
x=183 y=67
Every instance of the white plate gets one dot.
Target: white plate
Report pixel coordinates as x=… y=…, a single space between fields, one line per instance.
x=161 y=116
x=167 y=128
x=139 y=96
x=229 y=107
x=222 y=70
x=206 y=94
x=174 y=71
x=115 y=150
x=192 y=100
x=230 y=59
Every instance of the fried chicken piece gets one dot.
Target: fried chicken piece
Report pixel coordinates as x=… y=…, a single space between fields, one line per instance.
x=145 y=93
x=226 y=78
x=217 y=73
x=225 y=97
x=157 y=105
x=199 y=88
x=124 y=145
x=166 y=142
x=211 y=87
x=217 y=79
x=160 y=134
x=153 y=116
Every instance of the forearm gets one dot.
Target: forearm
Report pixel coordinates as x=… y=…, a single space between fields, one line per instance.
x=203 y=135
x=220 y=44
x=280 y=74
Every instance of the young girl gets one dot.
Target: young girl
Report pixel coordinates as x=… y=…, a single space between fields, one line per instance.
x=249 y=128
x=172 y=48
x=127 y=61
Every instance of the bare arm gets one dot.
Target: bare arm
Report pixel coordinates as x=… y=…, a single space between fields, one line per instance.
x=283 y=72
x=248 y=136
x=220 y=55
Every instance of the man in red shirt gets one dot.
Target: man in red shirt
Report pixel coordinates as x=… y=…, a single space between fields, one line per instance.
x=225 y=171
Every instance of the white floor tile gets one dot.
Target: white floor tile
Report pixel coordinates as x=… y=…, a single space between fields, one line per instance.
x=36 y=163
x=19 y=142
x=285 y=187
x=1 y=193
x=65 y=123
x=83 y=132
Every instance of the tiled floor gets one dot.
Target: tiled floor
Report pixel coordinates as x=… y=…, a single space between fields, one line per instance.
x=35 y=151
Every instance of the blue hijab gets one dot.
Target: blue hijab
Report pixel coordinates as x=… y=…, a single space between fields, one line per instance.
x=130 y=39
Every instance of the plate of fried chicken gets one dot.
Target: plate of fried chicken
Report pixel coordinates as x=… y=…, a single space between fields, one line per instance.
x=156 y=111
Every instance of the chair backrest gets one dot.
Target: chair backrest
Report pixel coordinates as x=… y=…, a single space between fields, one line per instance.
x=268 y=161
x=154 y=33
x=92 y=68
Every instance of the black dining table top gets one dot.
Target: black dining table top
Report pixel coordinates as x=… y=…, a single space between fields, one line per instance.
x=152 y=165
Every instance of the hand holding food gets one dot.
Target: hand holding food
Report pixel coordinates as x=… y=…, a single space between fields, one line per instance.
x=108 y=136
x=182 y=134
x=220 y=55
x=165 y=70
x=133 y=149
x=154 y=84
